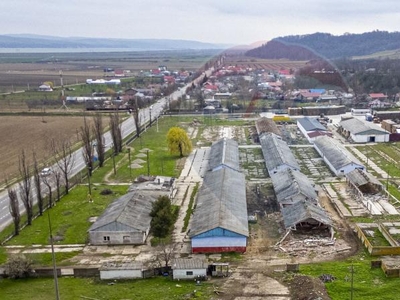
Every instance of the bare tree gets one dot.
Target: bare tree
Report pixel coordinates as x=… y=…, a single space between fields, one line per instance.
x=47 y=182
x=37 y=181
x=86 y=138
x=98 y=133
x=136 y=116
x=65 y=160
x=164 y=254
x=18 y=267
x=115 y=130
x=25 y=186
x=57 y=176
x=14 y=208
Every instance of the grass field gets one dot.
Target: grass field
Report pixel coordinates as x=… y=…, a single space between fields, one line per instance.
x=77 y=288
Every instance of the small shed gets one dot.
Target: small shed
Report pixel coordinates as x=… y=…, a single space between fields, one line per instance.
x=189 y=268
x=121 y=270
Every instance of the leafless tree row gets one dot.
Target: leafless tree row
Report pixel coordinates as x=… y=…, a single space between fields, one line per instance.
x=116 y=134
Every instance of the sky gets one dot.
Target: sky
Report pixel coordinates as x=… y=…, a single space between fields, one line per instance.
x=232 y=22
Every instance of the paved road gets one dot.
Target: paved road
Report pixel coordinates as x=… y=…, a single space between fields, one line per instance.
x=128 y=127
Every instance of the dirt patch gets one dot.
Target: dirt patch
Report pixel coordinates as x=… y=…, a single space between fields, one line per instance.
x=307 y=288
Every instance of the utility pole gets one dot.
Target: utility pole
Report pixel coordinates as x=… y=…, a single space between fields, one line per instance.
x=53 y=259
x=148 y=163
x=130 y=163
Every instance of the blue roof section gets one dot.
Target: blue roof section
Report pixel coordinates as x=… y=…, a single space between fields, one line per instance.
x=319 y=91
x=311 y=124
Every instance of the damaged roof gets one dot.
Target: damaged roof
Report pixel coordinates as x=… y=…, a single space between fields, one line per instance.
x=277 y=153
x=302 y=211
x=288 y=184
x=337 y=155
x=221 y=203
x=265 y=125
x=360 y=177
x=224 y=152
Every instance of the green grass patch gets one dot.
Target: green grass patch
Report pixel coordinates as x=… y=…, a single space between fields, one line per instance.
x=69 y=218
x=369 y=284
x=78 y=288
x=190 y=207
x=46 y=260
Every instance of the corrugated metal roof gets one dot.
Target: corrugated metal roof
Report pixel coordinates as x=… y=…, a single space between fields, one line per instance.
x=360 y=177
x=357 y=126
x=131 y=210
x=289 y=183
x=221 y=203
x=224 y=152
x=301 y=211
x=311 y=124
x=265 y=125
x=276 y=152
x=335 y=153
x=189 y=263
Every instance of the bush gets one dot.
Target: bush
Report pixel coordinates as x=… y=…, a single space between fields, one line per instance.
x=18 y=267
x=106 y=192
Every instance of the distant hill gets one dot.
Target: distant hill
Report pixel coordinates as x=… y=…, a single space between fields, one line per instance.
x=40 y=41
x=311 y=46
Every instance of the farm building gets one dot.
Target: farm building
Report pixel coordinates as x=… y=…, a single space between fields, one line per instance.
x=336 y=156
x=224 y=154
x=277 y=154
x=360 y=131
x=304 y=214
x=364 y=182
x=387 y=114
x=125 y=221
x=220 y=222
x=265 y=125
x=292 y=186
x=311 y=128
x=189 y=268
x=121 y=270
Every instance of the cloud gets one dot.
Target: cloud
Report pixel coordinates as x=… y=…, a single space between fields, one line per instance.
x=222 y=21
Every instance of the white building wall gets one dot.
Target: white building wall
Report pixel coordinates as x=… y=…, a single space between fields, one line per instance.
x=120 y=274
x=182 y=274
x=380 y=138
x=219 y=241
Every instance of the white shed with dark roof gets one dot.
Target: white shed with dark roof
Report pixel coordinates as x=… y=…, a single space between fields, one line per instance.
x=189 y=268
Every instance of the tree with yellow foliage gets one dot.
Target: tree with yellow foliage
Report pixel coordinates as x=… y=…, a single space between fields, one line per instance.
x=178 y=141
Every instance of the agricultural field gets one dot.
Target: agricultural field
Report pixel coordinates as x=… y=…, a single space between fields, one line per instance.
x=266 y=64
x=33 y=133
x=26 y=71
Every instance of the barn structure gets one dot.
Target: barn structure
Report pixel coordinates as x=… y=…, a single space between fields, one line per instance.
x=336 y=156
x=360 y=131
x=125 y=221
x=292 y=186
x=305 y=215
x=363 y=182
x=224 y=154
x=277 y=154
x=220 y=221
x=189 y=268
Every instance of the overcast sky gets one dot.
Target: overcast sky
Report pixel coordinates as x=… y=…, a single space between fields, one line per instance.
x=215 y=21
